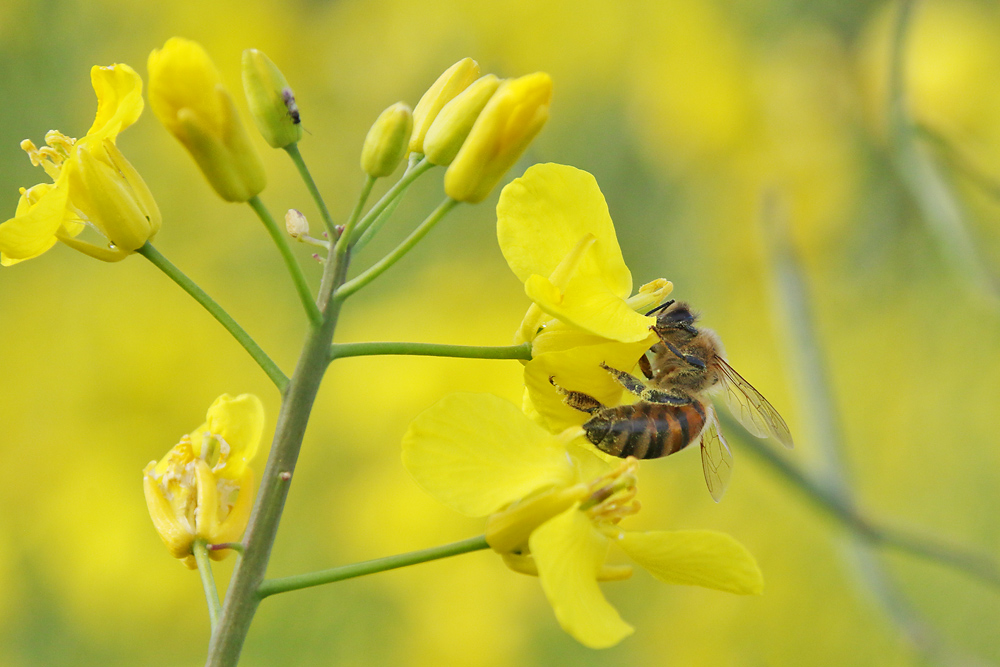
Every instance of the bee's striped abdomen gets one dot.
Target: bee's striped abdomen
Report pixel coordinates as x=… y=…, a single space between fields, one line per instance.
x=645 y=430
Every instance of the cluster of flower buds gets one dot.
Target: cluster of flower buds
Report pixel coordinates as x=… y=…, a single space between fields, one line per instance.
x=477 y=126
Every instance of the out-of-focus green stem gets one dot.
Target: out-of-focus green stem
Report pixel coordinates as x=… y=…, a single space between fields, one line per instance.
x=934 y=196
x=300 y=164
x=305 y=295
x=300 y=581
x=344 y=243
x=341 y=350
x=977 y=565
x=381 y=266
x=207 y=582
x=279 y=379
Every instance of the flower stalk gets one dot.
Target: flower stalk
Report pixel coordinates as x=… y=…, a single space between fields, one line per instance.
x=342 y=350
x=300 y=581
x=208 y=582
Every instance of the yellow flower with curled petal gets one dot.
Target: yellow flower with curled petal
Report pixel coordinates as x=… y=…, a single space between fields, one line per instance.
x=554 y=511
x=187 y=95
x=557 y=236
x=203 y=487
x=93 y=183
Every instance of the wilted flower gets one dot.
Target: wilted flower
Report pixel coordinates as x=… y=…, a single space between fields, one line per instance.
x=93 y=183
x=554 y=511
x=203 y=487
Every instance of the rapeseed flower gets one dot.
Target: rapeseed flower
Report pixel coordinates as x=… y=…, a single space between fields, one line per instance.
x=93 y=183
x=203 y=487
x=554 y=511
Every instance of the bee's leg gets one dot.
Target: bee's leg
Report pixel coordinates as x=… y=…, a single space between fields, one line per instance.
x=691 y=359
x=636 y=386
x=645 y=367
x=577 y=399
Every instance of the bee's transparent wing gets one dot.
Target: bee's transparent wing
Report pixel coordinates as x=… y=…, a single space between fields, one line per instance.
x=751 y=409
x=716 y=457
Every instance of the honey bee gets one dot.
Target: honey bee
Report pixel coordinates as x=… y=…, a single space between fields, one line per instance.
x=674 y=410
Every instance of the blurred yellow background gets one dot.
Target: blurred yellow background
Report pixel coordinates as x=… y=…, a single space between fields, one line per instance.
x=688 y=112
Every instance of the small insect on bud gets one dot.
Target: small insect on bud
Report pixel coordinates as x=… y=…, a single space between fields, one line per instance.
x=296 y=223
x=271 y=100
x=386 y=142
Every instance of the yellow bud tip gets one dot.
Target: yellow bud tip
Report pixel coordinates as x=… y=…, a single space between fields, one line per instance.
x=453 y=81
x=385 y=144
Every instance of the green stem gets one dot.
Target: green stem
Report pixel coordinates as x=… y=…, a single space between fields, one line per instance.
x=300 y=581
x=939 y=206
x=207 y=582
x=279 y=379
x=386 y=262
x=300 y=164
x=341 y=350
x=344 y=242
x=977 y=565
x=242 y=598
x=410 y=175
x=278 y=236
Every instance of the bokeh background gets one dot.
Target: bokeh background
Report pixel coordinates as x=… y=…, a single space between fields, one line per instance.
x=691 y=113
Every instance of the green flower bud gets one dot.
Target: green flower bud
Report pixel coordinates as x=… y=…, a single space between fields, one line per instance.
x=271 y=101
x=449 y=130
x=385 y=144
x=454 y=80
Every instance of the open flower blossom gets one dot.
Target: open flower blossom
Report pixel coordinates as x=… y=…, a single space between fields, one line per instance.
x=557 y=236
x=93 y=184
x=203 y=488
x=187 y=95
x=554 y=511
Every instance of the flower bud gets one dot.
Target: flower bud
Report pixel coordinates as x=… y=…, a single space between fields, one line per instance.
x=454 y=80
x=187 y=95
x=385 y=144
x=271 y=101
x=296 y=223
x=112 y=196
x=508 y=123
x=449 y=130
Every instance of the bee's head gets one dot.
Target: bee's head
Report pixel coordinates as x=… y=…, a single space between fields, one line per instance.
x=675 y=315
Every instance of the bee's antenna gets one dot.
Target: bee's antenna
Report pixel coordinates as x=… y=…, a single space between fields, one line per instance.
x=662 y=306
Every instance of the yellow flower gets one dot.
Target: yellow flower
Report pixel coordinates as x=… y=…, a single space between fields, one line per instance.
x=93 y=183
x=556 y=234
x=554 y=511
x=502 y=132
x=203 y=487
x=187 y=95
x=452 y=81
x=270 y=99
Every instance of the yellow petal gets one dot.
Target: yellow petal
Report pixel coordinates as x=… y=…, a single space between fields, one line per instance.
x=587 y=303
x=543 y=215
x=232 y=527
x=207 y=513
x=173 y=533
x=696 y=558
x=119 y=101
x=478 y=453
x=578 y=369
x=569 y=554
x=239 y=422
x=33 y=228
